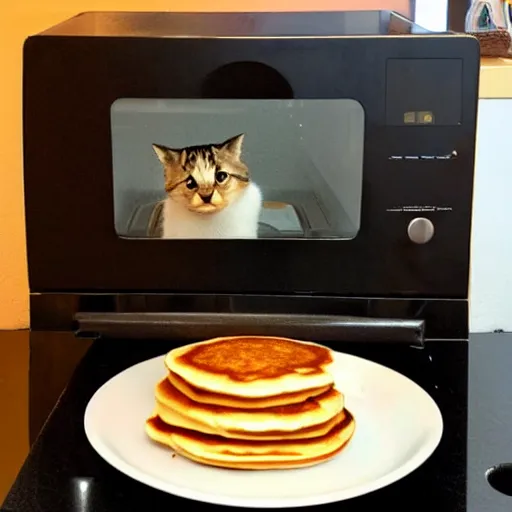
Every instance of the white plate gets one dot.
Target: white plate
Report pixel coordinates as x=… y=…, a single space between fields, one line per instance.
x=398 y=426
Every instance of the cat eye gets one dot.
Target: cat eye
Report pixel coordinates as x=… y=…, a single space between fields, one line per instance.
x=221 y=176
x=191 y=183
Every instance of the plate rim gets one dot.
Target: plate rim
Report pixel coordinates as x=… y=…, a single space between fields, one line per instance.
x=412 y=464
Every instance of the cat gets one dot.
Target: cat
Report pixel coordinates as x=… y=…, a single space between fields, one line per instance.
x=209 y=192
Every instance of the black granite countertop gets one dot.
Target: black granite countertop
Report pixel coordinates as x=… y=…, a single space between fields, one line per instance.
x=61 y=459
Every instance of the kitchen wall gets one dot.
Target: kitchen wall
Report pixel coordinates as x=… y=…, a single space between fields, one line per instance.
x=491 y=255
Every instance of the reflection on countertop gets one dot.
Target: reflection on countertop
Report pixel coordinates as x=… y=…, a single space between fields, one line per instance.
x=56 y=359
x=14 y=365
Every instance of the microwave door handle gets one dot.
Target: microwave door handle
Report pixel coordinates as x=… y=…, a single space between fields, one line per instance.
x=196 y=326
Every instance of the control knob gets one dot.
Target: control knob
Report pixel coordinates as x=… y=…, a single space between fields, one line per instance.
x=420 y=230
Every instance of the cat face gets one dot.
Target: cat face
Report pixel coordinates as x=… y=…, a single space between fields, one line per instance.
x=204 y=179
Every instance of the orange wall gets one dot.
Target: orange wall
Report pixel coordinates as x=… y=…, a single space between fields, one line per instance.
x=14 y=437
x=32 y=16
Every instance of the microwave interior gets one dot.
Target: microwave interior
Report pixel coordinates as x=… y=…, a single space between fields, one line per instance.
x=306 y=156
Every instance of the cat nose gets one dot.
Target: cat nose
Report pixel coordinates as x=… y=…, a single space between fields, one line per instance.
x=207 y=198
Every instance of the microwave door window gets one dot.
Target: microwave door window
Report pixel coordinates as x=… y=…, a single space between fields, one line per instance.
x=228 y=169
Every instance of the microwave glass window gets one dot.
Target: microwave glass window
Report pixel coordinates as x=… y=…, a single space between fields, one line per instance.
x=237 y=168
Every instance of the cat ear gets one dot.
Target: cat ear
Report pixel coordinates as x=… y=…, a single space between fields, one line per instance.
x=233 y=146
x=167 y=155
x=161 y=152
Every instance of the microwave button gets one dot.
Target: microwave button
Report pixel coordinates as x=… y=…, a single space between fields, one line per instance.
x=420 y=230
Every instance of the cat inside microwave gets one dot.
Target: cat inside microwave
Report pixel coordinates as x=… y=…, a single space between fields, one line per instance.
x=237 y=168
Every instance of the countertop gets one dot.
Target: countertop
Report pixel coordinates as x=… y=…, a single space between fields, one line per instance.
x=495 y=78
x=44 y=485
x=490 y=418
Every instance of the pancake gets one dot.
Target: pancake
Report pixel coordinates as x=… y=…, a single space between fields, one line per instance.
x=252 y=366
x=225 y=420
x=206 y=397
x=175 y=419
x=239 y=454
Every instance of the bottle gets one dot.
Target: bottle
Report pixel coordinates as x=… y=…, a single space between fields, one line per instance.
x=485 y=15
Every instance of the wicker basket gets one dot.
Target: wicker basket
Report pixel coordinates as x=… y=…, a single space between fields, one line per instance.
x=494 y=43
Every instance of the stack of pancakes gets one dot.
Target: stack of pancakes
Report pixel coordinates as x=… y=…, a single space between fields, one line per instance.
x=251 y=403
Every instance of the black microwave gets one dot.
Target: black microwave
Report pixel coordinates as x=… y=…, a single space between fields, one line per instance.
x=356 y=129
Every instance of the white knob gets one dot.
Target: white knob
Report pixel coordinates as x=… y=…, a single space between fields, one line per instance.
x=420 y=230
